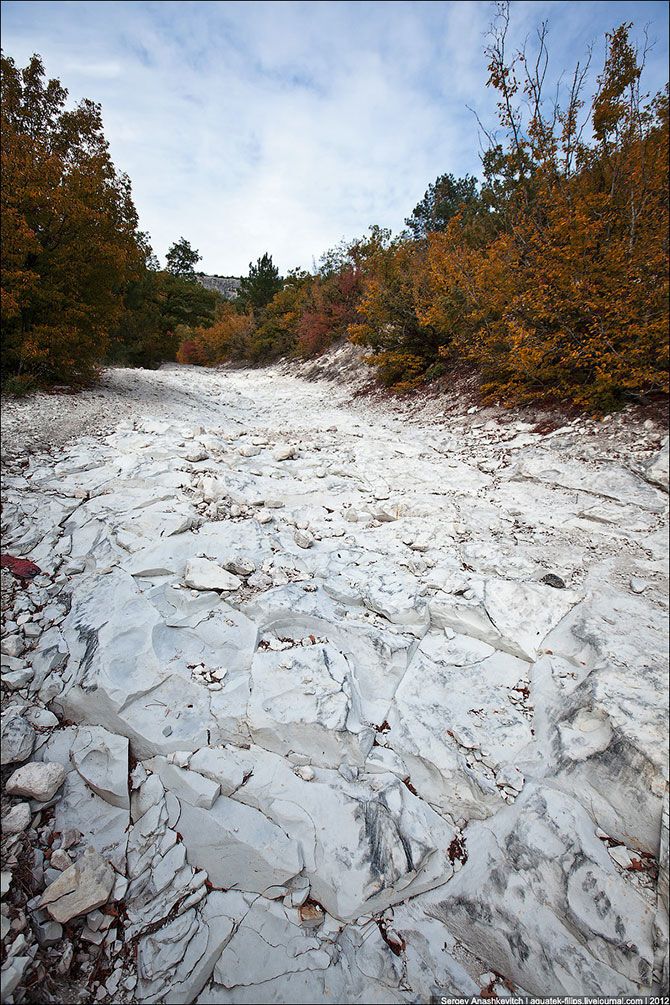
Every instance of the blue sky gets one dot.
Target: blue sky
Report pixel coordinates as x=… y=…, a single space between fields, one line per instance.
x=286 y=126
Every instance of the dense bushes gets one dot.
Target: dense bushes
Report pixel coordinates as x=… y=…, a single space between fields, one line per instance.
x=226 y=338
x=79 y=282
x=550 y=278
x=569 y=299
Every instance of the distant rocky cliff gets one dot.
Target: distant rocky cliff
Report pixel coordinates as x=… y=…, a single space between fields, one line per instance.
x=227 y=286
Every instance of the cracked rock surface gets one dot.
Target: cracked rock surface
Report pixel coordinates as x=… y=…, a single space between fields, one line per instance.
x=319 y=700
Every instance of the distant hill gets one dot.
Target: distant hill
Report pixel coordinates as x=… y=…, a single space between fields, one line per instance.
x=227 y=286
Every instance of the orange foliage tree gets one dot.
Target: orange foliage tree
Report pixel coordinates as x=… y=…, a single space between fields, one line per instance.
x=226 y=339
x=402 y=346
x=330 y=307
x=569 y=300
x=69 y=228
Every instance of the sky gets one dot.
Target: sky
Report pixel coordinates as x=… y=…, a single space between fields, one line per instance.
x=288 y=126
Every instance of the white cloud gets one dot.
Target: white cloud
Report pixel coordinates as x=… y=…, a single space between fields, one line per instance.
x=259 y=126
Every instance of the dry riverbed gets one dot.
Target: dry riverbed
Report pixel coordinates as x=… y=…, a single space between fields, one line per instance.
x=320 y=699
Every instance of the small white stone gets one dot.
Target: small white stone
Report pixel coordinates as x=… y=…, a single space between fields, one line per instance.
x=305 y=772
x=303 y=539
x=60 y=860
x=621 y=856
x=18 y=819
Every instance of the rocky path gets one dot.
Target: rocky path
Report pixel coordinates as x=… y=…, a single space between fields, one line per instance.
x=320 y=701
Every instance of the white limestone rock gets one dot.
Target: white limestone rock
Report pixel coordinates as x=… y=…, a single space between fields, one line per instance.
x=101 y=758
x=175 y=963
x=84 y=886
x=607 y=732
x=513 y=617
x=195 y=788
x=13 y=973
x=12 y=645
x=51 y=654
x=661 y=920
x=241 y=566
x=16 y=680
x=102 y=824
x=443 y=743
x=285 y=452
x=17 y=738
x=138 y=684
x=286 y=714
x=607 y=480
x=395 y=595
x=203 y=574
x=149 y=793
x=239 y=847
x=543 y=853
x=656 y=471
x=303 y=538
x=225 y=766
x=41 y=718
x=433 y=956
x=36 y=780
x=18 y=819
x=278 y=946
x=365 y=844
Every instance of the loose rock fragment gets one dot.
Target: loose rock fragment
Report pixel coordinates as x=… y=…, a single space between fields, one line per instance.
x=303 y=538
x=36 y=780
x=17 y=739
x=85 y=885
x=203 y=574
x=17 y=820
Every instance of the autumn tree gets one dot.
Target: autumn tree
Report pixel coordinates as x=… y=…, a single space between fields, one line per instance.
x=69 y=231
x=553 y=282
x=569 y=300
x=330 y=307
x=225 y=340
x=400 y=345
x=278 y=333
